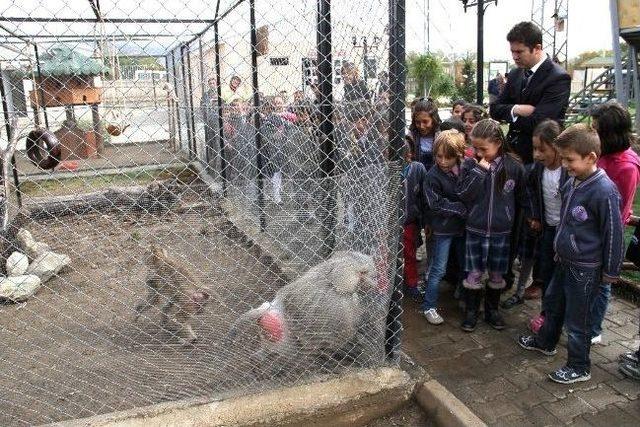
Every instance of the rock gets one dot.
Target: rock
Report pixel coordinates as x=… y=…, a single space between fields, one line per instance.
x=17 y=264
x=19 y=288
x=48 y=265
x=29 y=245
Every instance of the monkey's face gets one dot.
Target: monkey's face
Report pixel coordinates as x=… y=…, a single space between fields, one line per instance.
x=197 y=301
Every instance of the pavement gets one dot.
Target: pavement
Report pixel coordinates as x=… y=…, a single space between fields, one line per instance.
x=506 y=385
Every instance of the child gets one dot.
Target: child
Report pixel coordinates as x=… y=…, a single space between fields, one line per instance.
x=425 y=124
x=445 y=214
x=614 y=126
x=458 y=108
x=492 y=186
x=543 y=187
x=453 y=123
x=471 y=115
x=589 y=250
x=413 y=179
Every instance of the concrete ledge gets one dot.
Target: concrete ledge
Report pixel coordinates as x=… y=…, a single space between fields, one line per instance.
x=443 y=407
x=351 y=400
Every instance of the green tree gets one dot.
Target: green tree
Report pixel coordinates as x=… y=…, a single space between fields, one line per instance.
x=467 y=88
x=430 y=76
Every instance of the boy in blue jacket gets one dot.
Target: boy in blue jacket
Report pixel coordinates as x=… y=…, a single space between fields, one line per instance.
x=589 y=249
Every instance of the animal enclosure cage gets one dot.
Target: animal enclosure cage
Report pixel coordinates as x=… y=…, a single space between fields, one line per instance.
x=236 y=228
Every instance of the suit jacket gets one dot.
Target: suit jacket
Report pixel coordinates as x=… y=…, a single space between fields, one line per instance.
x=548 y=91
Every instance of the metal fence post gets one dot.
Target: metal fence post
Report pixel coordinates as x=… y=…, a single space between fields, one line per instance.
x=223 y=158
x=327 y=162
x=256 y=113
x=40 y=93
x=191 y=110
x=397 y=76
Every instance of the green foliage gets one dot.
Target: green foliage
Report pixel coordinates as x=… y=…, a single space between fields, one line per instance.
x=430 y=76
x=467 y=89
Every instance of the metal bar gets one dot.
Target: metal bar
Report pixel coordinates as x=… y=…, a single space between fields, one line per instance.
x=40 y=92
x=480 y=54
x=186 y=100
x=397 y=76
x=256 y=113
x=217 y=19
x=177 y=103
x=191 y=107
x=172 y=132
x=327 y=143
x=203 y=114
x=7 y=123
x=223 y=158
x=96 y=9
x=633 y=57
x=80 y=36
x=621 y=94
x=19 y=19
x=14 y=34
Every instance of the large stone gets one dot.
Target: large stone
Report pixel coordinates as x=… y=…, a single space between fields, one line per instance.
x=17 y=264
x=19 y=288
x=29 y=245
x=48 y=265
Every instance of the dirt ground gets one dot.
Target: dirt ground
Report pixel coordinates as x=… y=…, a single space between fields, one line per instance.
x=74 y=349
x=410 y=415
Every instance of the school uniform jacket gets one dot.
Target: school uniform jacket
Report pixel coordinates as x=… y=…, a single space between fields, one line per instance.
x=590 y=233
x=444 y=212
x=492 y=210
x=534 y=190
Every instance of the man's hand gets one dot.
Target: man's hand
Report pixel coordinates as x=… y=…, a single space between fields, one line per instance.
x=523 y=110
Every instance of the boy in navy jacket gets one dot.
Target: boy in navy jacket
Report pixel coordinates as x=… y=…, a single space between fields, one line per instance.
x=589 y=249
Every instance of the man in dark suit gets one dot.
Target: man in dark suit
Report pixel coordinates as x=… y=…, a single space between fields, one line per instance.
x=537 y=90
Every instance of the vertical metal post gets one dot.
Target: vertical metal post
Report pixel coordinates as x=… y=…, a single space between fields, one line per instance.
x=203 y=113
x=223 y=158
x=185 y=91
x=177 y=103
x=39 y=88
x=7 y=123
x=633 y=57
x=621 y=93
x=256 y=112
x=397 y=78
x=191 y=109
x=327 y=144
x=169 y=106
x=480 y=54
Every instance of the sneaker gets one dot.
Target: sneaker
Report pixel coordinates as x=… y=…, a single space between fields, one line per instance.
x=629 y=357
x=536 y=323
x=512 y=301
x=567 y=375
x=432 y=316
x=630 y=370
x=596 y=340
x=528 y=342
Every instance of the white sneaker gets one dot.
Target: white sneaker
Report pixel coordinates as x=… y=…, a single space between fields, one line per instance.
x=596 y=340
x=432 y=316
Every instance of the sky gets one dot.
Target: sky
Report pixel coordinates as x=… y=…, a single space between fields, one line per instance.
x=454 y=31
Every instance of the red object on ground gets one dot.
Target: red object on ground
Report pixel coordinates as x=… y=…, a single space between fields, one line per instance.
x=273 y=324
x=68 y=165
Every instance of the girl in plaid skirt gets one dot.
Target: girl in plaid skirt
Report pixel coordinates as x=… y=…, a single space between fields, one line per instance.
x=493 y=188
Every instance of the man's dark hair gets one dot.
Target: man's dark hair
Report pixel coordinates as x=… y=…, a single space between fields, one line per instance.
x=527 y=33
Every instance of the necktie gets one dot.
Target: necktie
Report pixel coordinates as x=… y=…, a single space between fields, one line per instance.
x=525 y=79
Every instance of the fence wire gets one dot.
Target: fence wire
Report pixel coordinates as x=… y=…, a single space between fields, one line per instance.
x=194 y=208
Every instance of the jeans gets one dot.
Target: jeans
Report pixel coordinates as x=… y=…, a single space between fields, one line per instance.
x=569 y=299
x=546 y=263
x=439 y=258
x=599 y=309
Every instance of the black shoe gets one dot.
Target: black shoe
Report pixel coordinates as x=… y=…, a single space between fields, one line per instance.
x=491 y=313
x=472 y=303
x=528 y=342
x=567 y=375
x=512 y=301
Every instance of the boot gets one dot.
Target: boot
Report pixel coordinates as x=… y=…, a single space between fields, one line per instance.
x=491 y=313
x=472 y=303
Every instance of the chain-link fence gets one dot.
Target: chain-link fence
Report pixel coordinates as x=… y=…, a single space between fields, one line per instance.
x=222 y=222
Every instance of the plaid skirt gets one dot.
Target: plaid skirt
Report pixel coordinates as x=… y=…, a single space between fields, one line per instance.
x=487 y=253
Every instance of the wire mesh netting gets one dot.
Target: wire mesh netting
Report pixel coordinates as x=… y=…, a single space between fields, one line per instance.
x=197 y=201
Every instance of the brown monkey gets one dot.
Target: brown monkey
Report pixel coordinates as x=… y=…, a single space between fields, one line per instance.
x=180 y=294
